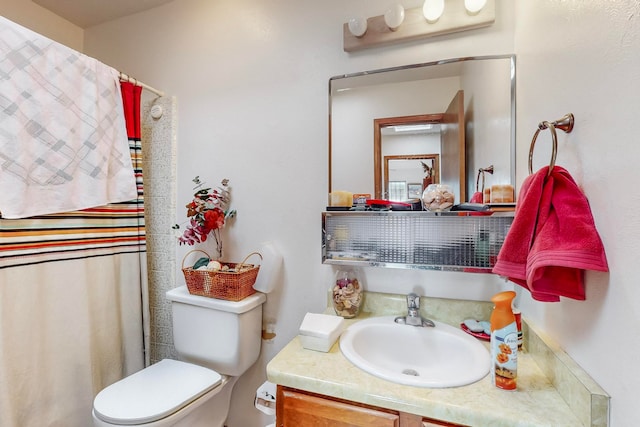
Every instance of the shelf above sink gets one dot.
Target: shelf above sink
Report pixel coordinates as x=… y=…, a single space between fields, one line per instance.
x=415 y=240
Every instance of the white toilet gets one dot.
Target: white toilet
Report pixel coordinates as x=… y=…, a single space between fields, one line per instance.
x=217 y=341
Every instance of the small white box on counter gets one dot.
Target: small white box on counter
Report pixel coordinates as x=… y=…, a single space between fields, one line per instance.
x=320 y=331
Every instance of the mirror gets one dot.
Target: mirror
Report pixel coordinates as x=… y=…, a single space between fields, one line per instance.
x=480 y=90
x=400 y=139
x=406 y=176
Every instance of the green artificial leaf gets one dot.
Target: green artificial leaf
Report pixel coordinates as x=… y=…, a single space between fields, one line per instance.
x=201 y=262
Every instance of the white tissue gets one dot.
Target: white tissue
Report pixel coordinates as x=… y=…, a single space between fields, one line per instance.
x=320 y=331
x=269 y=268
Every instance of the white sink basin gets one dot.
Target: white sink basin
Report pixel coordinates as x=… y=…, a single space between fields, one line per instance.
x=442 y=356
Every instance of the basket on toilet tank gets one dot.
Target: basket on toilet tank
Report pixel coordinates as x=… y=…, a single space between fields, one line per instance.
x=232 y=282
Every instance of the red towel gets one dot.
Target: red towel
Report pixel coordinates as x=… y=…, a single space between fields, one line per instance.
x=553 y=238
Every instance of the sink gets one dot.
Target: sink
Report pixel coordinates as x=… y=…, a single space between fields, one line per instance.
x=433 y=357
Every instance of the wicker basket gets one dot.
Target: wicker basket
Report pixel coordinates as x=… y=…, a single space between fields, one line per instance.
x=227 y=285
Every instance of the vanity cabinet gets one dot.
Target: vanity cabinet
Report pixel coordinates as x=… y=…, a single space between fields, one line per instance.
x=297 y=408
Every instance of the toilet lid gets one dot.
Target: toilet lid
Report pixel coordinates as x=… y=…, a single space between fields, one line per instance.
x=154 y=392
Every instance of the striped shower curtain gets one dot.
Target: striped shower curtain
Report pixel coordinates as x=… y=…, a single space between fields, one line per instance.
x=72 y=287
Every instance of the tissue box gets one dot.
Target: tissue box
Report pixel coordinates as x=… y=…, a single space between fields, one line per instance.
x=320 y=331
x=341 y=198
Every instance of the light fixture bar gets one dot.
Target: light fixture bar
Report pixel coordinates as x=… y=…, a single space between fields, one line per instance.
x=411 y=128
x=415 y=27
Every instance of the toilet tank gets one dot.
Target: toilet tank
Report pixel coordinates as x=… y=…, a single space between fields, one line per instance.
x=218 y=334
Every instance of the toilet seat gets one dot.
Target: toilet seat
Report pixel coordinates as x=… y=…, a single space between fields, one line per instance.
x=154 y=392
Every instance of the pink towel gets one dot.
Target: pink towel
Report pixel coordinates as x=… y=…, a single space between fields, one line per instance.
x=553 y=238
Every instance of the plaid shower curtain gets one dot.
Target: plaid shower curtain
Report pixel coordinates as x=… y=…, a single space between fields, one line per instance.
x=71 y=288
x=104 y=230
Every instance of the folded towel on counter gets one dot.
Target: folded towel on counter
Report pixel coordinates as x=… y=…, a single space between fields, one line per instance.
x=63 y=140
x=553 y=238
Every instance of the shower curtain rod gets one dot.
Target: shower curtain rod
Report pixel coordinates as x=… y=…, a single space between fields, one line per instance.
x=127 y=78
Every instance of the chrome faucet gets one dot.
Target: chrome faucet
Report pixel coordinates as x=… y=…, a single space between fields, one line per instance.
x=413 y=316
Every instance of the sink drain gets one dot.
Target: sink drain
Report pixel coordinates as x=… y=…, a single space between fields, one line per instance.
x=411 y=372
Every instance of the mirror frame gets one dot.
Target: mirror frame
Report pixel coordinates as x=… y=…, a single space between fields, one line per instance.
x=512 y=145
x=435 y=158
x=378 y=124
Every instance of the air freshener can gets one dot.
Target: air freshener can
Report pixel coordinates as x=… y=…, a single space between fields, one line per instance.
x=504 y=342
x=504 y=355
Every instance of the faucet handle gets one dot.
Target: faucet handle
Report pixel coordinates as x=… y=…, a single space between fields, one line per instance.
x=413 y=301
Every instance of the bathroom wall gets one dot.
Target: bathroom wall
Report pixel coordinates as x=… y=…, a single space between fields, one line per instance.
x=582 y=57
x=251 y=77
x=37 y=18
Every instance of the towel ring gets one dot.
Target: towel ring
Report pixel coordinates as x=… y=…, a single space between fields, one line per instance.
x=481 y=171
x=565 y=124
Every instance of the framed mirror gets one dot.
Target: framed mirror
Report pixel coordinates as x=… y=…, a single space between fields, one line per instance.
x=406 y=176
x=363 y=105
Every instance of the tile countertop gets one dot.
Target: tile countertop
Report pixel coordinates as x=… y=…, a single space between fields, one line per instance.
x=537 y=401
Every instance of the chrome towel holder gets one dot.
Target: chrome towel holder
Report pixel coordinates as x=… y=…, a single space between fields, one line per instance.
x=481 y=171
x=565 y=124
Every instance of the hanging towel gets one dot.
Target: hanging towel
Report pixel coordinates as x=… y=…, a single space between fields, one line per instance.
x=63 y=140
x=553 y=238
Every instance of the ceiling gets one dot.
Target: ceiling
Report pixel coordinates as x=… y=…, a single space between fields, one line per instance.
x=86 y=13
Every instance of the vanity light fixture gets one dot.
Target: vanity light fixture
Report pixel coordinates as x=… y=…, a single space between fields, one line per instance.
x=394 y=17
x=429 y=20
x=357 y=26
x=432 y=10
x=412 y=128
x=474 y=7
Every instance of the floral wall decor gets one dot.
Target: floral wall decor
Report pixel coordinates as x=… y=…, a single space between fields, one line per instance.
x=207 y=214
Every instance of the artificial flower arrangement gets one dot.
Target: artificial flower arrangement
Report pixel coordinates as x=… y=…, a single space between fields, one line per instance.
x=207 y=214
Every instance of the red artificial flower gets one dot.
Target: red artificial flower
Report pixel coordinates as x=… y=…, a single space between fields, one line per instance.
x=207 y=213
x=213 y=219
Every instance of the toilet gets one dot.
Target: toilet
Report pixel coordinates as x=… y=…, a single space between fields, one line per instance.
x=217 y=341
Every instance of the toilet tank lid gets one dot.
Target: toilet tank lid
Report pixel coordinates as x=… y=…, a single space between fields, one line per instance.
x=181 y=294
x=154 y=392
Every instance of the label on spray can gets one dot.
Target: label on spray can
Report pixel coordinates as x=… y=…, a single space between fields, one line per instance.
x=504 y=355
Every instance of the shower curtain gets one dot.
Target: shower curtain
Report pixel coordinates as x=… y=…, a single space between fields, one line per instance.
x=71 y=304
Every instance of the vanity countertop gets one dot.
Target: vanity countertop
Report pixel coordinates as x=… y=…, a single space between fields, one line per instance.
x=535 y=403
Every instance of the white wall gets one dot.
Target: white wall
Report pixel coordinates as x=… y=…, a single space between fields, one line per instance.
x=41 y=20
x=251 y=80
x=584 y=57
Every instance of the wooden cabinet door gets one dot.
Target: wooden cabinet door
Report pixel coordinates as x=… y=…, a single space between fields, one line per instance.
x=410 y=420
x=297 y=409
x=433 y=423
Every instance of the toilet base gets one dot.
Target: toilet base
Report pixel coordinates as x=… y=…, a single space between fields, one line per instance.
x=209 y=410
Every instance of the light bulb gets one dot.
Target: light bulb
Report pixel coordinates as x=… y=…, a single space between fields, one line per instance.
x=474 y=6
x=394 y=17
x=358 y=26
x=432 y=10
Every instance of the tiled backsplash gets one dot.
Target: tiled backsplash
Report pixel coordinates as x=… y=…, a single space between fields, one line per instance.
x=584 y=396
